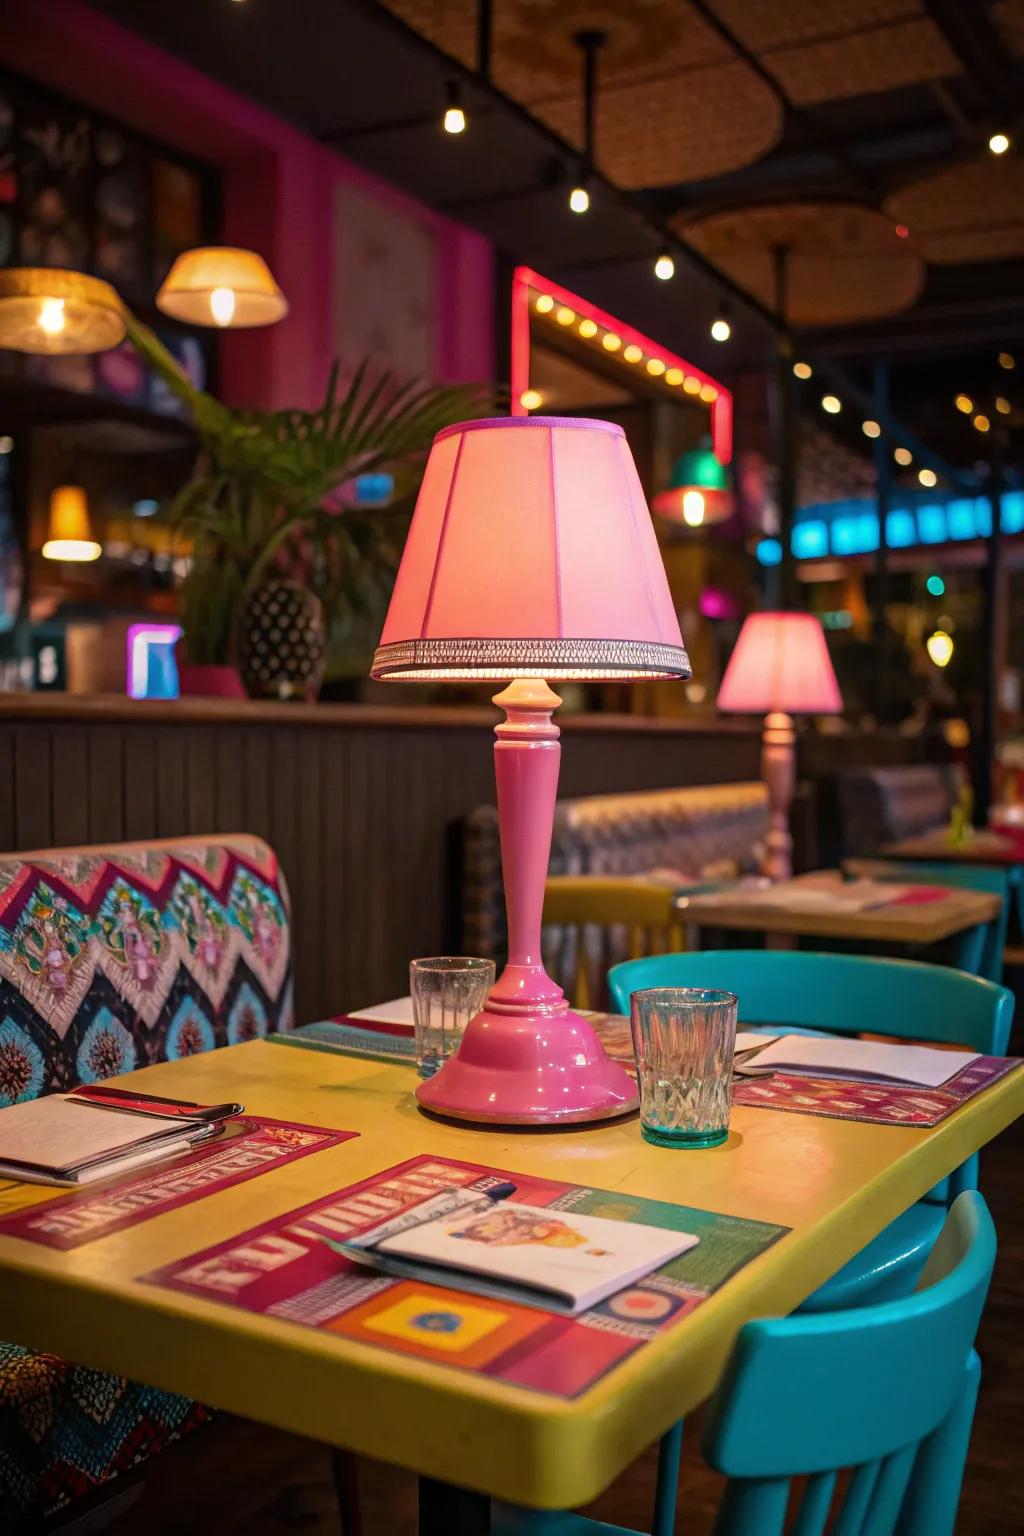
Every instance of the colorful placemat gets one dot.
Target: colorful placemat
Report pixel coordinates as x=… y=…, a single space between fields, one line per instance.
x=284 y=1269
x=353 y=1037
x=250 y=1145
x=874 y=1103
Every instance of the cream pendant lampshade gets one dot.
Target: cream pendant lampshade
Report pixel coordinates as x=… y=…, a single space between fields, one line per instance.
x=47 y=309
x=223 y=286
x=70 y=531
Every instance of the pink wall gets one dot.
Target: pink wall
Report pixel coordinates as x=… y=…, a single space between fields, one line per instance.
x=279 y=191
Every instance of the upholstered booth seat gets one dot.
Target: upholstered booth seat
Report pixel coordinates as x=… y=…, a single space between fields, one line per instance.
x=677 y=835
x=112 y=958
x=883 y=805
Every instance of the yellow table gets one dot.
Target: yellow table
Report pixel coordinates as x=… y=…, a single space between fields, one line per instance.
x=835 y=1183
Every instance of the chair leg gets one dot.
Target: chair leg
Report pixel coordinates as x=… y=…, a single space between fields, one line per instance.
x=346 y=1486
x=933 y=1495
x=667 y=1486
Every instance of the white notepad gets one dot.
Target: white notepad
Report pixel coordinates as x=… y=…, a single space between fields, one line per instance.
x=398 y=1011
x=59 y=1140
x=830 y=1056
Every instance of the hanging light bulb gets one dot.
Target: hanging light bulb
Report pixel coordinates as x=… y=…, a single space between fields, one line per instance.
x=49 y=310
x=999 y=143
x=223 y=286
x=579 y=199
x=454 y=120
x=803 y=370
x=928 y=478
x=964 y=403
x=903 y=456
x=940 y=648
x=699 y=491
x=721 y=330
x=871 y=429
x=832 y=404
x=693 y=508
x=665 y=266
x=531 y=399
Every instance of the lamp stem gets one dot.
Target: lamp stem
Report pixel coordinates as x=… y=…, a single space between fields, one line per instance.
x=778 y=770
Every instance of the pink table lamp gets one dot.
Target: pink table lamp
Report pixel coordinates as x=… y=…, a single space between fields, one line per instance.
x=531 y=555
x=780 y=667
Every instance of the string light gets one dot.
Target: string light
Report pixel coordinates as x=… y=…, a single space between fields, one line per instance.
x=691 y=385
x=871 y=429
x=545 y=304
x=982 y=422
x=579 y=200
x=1007 y=361
x=588 y=328
x=803 y=370
x=903 y=456
x=674 y=376
x=531 y=399
x=902 y=232
x=454 y=120
x=1002 y=405
x=832 y=404
x=665 y=267
x=632 y=353
x=721 y=330
x=940 y=648
x=655 y=366
x=964 y=403
x=928 y=477
x=708 y=393
x=565 y=315
x=611 y=342
x=999 y=143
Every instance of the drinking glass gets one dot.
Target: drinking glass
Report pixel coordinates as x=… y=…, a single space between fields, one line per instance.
x=447 y=991
x=684 y=1039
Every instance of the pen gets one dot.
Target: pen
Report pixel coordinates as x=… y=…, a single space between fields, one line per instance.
x=447 y=1202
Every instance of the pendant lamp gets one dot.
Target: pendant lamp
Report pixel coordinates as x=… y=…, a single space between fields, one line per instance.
x=699 y=491
x=49 y=310
x=222 y=286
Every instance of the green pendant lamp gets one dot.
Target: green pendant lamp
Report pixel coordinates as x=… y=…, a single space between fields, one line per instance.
x=699 y=490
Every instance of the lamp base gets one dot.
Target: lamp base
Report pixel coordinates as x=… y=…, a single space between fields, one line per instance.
x=542 y=1068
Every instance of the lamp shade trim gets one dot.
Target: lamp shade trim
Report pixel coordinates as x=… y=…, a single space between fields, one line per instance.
x=500 y=658
x=566 y=423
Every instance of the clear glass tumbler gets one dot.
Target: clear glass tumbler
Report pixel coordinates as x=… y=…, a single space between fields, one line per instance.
x=446 y=993
x=684 y=1039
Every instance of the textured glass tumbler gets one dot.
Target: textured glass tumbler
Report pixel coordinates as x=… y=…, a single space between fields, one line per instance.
x=684 y=1039
x=446 y=993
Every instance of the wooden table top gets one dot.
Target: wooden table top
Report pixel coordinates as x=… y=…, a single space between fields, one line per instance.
x=984 y=846
x=926 y=922
x=835 y=1183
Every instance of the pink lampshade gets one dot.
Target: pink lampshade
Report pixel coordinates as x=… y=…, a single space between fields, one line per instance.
x=780 y=662
x=531 y=554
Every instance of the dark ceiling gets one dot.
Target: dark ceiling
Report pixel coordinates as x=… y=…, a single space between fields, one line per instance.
x=353 y=74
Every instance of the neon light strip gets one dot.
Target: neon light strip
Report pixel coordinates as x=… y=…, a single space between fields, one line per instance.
x=524 y=278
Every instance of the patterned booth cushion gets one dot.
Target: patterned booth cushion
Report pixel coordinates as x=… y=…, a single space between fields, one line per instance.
x=110 y=959
x=705 y=833
x=882 y=805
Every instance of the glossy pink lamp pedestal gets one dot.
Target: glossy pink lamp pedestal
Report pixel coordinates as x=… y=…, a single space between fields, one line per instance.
x=527 y=1059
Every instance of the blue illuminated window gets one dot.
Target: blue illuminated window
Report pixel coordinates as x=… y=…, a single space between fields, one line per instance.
x=931 y=524
x=810 y=540
x=900 y=529
x=961 y=519
x=1013 y=511
x=769 y=552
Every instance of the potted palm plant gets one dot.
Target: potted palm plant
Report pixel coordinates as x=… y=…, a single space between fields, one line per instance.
x=269 y=490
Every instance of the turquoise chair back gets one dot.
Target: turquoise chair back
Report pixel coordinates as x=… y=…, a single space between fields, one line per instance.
x=978 y=950
x=887 y=1391
x=843 y=994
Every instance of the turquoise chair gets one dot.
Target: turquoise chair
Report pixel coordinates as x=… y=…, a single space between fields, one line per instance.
x=977 y=950
x=887 y=1392
x=845 y=995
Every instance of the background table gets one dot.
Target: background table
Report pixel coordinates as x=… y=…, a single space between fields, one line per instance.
x=836 y=1184
x=983 y=847
x=897 y=923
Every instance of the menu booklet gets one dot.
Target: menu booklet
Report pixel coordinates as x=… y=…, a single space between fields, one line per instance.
x=559 y=1260
x=63 y=1139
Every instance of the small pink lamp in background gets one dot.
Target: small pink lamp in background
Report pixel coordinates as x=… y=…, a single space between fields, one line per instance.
x=531 y=555
x=780 y=667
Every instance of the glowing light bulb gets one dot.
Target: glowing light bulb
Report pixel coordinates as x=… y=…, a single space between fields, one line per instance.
x=902 y=232
x=803 y=370
x=964 y=403
x=999 y=143
x=222 y=305
x=633 y=353
x=903 y=456
x=51 y=316
x=693 y=508
x=611 y=342
x=579 y=200
x=708 y=393
x=588 y=328
x=721 y=330
x=545 y=303
x=674 y=376
x=1002 y=405
x=565 y=315
x=454 y=120
x=691 y=385
x=936 y=586
x=871 y=429
x=982 y=422
x=531 y=399
x=928 y=477
x=655 y=366
x=1006 y=360
x=665 y=267
x=940 y=648
x=832 y=404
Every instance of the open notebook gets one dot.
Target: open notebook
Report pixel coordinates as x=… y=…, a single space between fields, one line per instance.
x=831 y=1056
x=560 y=1260
x=67 y=1140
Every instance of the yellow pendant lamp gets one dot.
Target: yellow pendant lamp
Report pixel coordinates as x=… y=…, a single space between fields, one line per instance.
x=49 y=310
x=70 y=531
x=223 y=286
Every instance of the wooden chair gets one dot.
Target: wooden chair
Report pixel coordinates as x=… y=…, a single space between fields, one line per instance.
x=885 y=1394
x=635 y=911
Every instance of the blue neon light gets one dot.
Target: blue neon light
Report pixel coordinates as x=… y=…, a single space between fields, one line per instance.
x=1012 y=520
x=810 y=540
x=931 y=524
x=769 y=552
